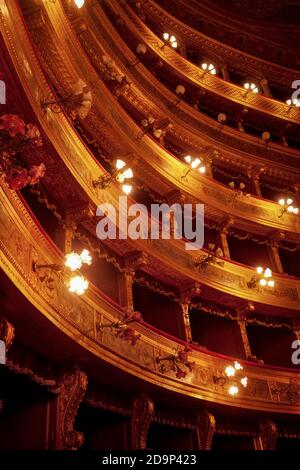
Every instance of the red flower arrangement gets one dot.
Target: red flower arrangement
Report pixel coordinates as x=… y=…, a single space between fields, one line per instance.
x=121 y=328
x=174 y=362
x=16 y=136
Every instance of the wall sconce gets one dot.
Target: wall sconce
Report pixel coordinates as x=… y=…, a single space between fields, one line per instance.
x=141 y=50
x=211 y=258
x=170 y=40
x=120 y=174
x=176 y=362
x=77 y=103
x=194 y=163
x=287 y=206
x=121 y=328
x=250 y=87
x=232 y=377
x=76 y=283
x=264 y=278
x=208 y=68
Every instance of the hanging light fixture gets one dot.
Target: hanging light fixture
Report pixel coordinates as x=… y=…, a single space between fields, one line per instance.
x=293 y=102
x=120 y=174
x=76 y=283
x=287 y=206
x=208 y=68
x=250 y=87
x=232 y=378
x=171 y=40
x=264 y=278
x=194 y=163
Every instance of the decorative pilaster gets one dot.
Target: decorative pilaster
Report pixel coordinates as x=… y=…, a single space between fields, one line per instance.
x=186 y=297
x=275 y=239
x=125 y=289
x=267 y=435
x=73 y=385
x=186 y=320
x=242 y=313
x=73 y=217
x=142 y=416
x=205 y=426
x=222 y=236
x=254 y=175
x=126 y=278
x=265 y=88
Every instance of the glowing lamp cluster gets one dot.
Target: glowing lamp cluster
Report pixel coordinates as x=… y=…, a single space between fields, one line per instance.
x=235 y=378
x=69 y=272
x=209 y=68
x=250 y=86
x=120 y=174
x=265 y=277
x=77 y=284
x=287 y=206
x=123 y=174
x=74 y=261
x=171 y=40
x=195 y=163
x=293 y=102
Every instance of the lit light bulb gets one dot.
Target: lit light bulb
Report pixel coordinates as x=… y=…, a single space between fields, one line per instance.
x=166 y=36
x=204 y=66
x=244 y=381
x=202 y=169
x=290 y=209
x=263 y=282
x=127 y=188
x=73 y=261
x=289 y=201
x=78 y=285
x=86 y=257
x=128 y=173
x=230 y=371
x=259 y=270
x=281 y=202
x=271 y=283
x=247 y=86
x=268 y=272
x=238 y=366
x=195 y=163
x=120 y=164
x=295 y=210
x=79 y=3
x=188 y=159
x=233 y=390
